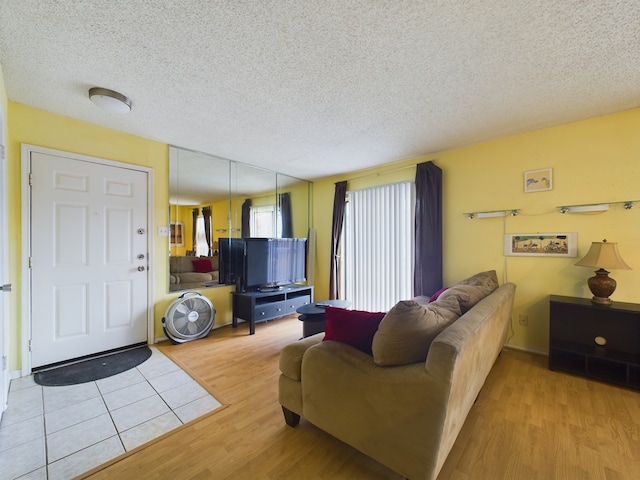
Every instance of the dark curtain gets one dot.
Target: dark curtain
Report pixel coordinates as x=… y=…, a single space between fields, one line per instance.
x=284 y=201
x=427 y=277
x=339 y=200
x=246 y=219
x=195 y=212
x=206 y=213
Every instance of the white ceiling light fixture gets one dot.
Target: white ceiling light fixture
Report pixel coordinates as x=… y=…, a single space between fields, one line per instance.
x=110 y=100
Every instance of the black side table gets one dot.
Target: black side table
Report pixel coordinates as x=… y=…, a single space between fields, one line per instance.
x=313 y=317
x=596 y=341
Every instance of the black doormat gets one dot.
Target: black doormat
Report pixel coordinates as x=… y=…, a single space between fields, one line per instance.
x=93 y=368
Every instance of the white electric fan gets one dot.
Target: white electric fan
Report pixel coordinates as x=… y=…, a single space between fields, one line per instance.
x=189 y=317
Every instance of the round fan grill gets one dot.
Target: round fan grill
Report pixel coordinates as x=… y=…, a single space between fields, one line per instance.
x=189 y=317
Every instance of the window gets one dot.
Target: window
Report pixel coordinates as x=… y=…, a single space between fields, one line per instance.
x=378 y=245
x=265 y=221
x=202 y=249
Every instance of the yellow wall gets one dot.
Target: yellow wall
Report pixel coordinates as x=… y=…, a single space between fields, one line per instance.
x=45 y=129
x=593 y=161
x=299 y=196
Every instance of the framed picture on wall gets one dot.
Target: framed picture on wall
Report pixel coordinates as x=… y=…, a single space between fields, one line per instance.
x=538 y=180
x=541 y=244
x=176 y=234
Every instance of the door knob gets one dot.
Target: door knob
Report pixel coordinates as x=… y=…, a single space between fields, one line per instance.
x=141 y=268
x=6 y=287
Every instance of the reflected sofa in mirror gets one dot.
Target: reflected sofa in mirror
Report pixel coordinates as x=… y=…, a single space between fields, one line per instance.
x=213 y=200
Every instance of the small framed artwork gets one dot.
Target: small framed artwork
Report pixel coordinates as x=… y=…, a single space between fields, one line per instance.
x=176 y=234
x=541 y=244
x=538 y=180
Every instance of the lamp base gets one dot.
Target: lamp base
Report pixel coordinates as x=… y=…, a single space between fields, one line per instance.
x=601 y=301
x=602 y=286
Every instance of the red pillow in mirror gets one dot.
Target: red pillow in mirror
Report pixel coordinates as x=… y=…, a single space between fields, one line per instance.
x=202 y=265
x=354 y=327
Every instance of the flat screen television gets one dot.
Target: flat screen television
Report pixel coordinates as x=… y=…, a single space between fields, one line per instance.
x=273 y=262
x=231 y=260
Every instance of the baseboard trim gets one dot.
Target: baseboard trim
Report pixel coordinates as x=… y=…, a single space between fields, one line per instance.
x=166 y=339
x=527 y=350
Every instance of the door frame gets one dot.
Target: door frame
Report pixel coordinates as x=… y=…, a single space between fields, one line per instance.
x=26 y=151
x=4 y=272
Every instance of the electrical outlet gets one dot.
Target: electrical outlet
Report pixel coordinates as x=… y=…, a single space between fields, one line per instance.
x=163 y=231
x=523 y=320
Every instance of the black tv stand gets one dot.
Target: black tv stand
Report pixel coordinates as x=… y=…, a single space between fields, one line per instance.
x=260 y=306
x=269 y=289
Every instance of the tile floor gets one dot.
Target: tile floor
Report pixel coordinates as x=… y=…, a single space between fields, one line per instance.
x=60 y=432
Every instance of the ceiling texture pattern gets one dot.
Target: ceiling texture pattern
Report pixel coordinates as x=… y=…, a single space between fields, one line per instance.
x=314 y=88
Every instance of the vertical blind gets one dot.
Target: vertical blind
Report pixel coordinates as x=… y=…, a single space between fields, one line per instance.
x=201 y=247
x=378 y=246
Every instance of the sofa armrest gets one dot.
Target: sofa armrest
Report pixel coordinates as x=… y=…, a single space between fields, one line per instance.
x=393 y=414
x=291 y=356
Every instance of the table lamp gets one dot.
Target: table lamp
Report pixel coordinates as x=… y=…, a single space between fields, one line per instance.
x=603 y=255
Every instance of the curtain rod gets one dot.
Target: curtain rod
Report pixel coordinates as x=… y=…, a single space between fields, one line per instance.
x=265 y=196
x=377 y=174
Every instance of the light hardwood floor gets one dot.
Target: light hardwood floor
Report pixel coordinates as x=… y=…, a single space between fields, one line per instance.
x=528 y=423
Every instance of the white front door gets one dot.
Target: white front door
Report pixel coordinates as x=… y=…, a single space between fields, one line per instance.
x=89 y=280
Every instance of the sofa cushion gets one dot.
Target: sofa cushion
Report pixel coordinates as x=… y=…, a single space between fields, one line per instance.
x=407 y=330
x=487 y=281
x=202 y=265
x=194 y=277
x=353 y=327
x=422 y=299
x=180 y=264
x=465 y=295
x=437 y=294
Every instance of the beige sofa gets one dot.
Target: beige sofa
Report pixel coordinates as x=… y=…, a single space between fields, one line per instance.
x=183 y=272
x=406 y=416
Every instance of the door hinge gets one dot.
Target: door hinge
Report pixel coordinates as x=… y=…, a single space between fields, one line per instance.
x=1 y=152
x=30 y=344
x=4 y=363
x=30 y=262
x=30 y=179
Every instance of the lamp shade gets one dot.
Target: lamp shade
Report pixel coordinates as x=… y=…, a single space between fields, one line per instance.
x=604 y=255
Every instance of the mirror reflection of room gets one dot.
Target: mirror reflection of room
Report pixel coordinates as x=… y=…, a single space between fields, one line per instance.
x=214 y=204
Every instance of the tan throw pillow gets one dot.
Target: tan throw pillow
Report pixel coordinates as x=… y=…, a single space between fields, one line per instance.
x=421 y=299
x=407 y=330
x=487 y=281
x=466 y=296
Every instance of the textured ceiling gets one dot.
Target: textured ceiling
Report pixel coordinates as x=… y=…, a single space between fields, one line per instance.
x=312 y=88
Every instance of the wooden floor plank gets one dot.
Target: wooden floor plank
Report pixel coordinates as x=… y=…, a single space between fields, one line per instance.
x=528 y=423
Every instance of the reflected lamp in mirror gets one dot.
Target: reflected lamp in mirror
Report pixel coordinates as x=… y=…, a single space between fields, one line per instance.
x=603 y=255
